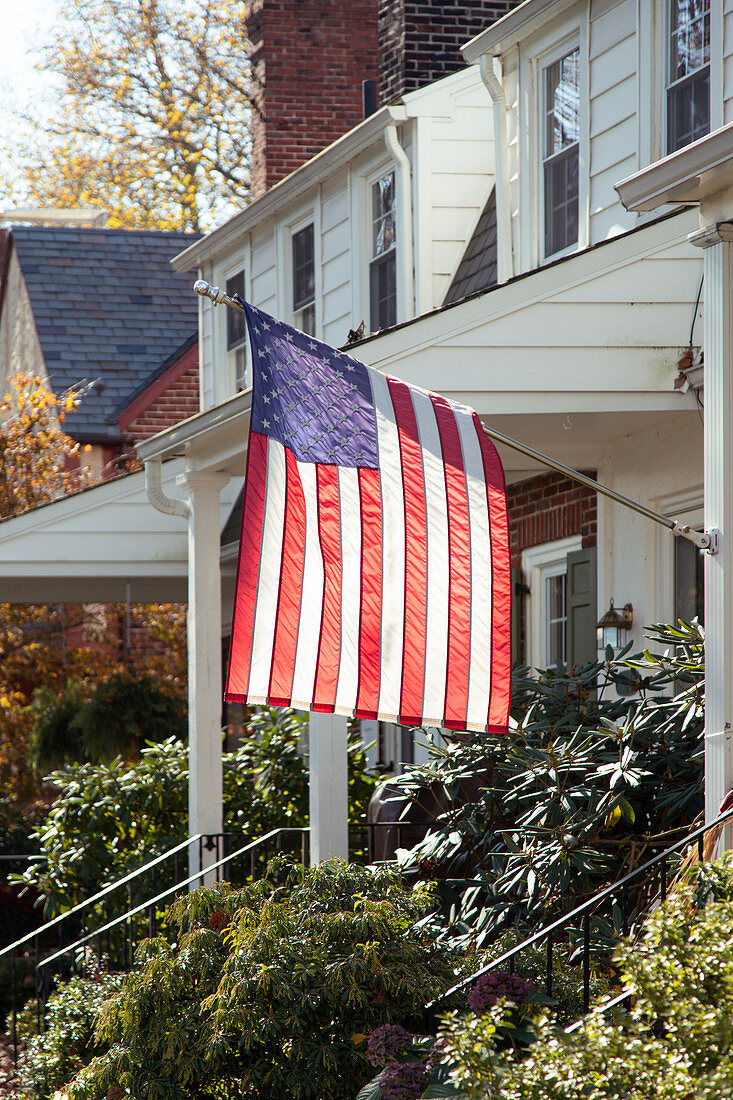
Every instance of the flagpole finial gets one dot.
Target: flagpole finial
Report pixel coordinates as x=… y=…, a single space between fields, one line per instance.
x=207 y=291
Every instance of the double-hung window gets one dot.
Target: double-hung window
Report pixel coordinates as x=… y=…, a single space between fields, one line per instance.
x=688 y=76
x=304 y=279
x=561 y=152
x=237 y=334
x=383 y=264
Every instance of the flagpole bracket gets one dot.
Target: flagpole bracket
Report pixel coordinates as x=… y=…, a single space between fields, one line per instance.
x=703 y=540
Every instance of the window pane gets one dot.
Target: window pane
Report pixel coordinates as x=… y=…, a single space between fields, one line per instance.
x=563 y=103
x=383 y=215
x=690 y=37
x=689 y=585
x=688 y=111
x=561 y=201
x=688 y=89
x=383 y=292
x=236 y=330
x=304 y=267
x=557 y=620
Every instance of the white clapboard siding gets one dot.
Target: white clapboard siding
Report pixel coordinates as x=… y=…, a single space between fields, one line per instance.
x=607 y=322
x=336 y=267
x=728 y=61
x=207 y=357
x=461 y=160
x=263 y=278
x=613 y=113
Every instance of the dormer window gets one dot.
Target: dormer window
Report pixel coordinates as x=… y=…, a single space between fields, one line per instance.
x=304 y=280
x=383 y=265
x=561 y=153
x=688 y=87
x=237 y=334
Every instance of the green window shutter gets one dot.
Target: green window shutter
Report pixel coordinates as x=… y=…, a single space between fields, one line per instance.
x=582 y=607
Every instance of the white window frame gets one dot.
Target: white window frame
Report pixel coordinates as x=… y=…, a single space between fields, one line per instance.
x=539 y=563
x=536 y=55
x=686 y=505
x=309 y=218
x=225 y=381
x=653 y=74
x=284 y=233
x=368 y=180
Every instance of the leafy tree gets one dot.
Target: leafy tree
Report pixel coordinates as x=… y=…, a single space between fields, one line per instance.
x=50 y=645
x=270 y=990
x=153 y=123
x=118 y=715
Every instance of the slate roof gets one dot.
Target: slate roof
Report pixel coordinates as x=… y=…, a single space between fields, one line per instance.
x=477 y=269
x=107 y=304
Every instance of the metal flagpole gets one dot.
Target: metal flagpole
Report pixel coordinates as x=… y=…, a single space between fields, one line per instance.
x=704 y=540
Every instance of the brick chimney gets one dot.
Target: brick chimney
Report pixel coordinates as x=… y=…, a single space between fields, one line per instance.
x=309 y=58
x=420 y=40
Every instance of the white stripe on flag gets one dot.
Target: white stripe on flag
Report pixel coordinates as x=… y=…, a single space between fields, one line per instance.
x=393 y=551
x=268 y=581
x=479 y=680
x=436 y=508
x=311 y=600
x=350 y=512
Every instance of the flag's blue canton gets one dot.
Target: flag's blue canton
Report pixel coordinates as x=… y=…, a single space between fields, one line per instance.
x=313 y=399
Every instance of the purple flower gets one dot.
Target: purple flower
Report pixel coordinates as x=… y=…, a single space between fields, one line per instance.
x=489 y=988
x=386 y=1043
x=403 y=1080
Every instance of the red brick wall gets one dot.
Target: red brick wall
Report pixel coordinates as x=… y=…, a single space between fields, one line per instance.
x=309 y=58
x=177 y=402
x=549 y=507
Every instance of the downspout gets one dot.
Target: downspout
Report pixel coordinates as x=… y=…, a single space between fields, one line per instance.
x=160 y=500
x=495 y=87
x=404 y=223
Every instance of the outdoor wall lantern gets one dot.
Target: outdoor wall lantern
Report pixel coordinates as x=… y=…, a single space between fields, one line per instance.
x=614 y=626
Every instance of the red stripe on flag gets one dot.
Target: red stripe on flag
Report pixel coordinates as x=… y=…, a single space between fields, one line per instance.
x=416 y=564
x=370 y=615
x=291 y=587
x=329 y=644
x=248 y=563
x=501 y=585
x=459 y=554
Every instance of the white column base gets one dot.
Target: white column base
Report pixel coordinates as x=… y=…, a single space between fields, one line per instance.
x=329 y=790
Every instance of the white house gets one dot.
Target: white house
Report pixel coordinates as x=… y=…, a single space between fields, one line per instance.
x=480 y=230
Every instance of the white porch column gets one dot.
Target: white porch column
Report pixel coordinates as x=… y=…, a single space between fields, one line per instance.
x=329 y=790
x=205 y=813
x=717 y=244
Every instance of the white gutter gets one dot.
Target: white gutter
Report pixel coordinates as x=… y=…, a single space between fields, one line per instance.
x=156 y=496
x=404 y=232
x=495 y=87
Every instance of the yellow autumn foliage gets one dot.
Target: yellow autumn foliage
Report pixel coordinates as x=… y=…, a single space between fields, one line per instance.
x=153 y=122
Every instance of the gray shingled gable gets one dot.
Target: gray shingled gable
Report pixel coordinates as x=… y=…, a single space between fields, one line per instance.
x=477 y=269
x=107 y=304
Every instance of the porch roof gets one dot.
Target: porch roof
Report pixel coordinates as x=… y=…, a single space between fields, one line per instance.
x=105 y=544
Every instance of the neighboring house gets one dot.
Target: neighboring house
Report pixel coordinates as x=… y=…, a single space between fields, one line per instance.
x=474 y=227
x=98 y=310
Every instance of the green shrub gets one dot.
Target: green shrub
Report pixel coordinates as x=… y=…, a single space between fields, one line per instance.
x=674 y=1043
x=68 y=1041
x=110 y=818
x=270 y=991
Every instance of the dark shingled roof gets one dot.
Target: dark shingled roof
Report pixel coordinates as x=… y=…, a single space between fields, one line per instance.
x=477 y=269
x=107 y=304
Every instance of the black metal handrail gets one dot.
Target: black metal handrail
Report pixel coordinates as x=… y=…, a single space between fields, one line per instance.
x=584 y=911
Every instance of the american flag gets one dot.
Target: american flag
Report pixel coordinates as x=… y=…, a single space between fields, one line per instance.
x=373 y=576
